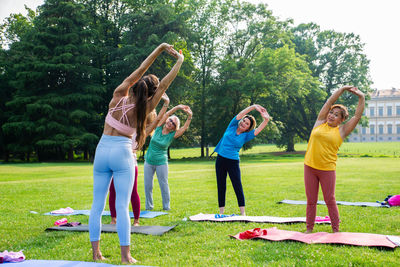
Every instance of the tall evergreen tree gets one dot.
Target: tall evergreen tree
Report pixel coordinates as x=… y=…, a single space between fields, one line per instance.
x=57 y=89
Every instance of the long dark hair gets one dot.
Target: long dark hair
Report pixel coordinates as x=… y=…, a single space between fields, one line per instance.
x=143 y=89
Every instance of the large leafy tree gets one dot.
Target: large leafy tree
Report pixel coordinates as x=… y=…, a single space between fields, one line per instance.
x=293 y=94
x=57 y=89
x=252 y=28
x=207 y=29
x=335 y=58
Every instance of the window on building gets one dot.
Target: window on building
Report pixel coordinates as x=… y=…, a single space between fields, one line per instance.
x=380 y=111
x=398 y=110
x=372 y=111
x=380 y=128
x=363 y=130
x=389 y=110
x=398 y=128
x=372 y=129
x=372 y=138
x=389 y=129
x=390 y=138
x=380 y=139
x=363 y=138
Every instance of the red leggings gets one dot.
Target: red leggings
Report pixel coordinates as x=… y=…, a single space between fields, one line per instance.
x=135 y=199
x=327 y=179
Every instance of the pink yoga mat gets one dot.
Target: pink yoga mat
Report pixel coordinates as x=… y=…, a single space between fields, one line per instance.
x=346 y=238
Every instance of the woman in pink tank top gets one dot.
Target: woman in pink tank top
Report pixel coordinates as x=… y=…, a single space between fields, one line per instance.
x=132 y=101
x=153 y=120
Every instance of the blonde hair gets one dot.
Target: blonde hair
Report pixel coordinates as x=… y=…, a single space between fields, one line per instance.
x=178 y=122
x=253 y=122
x=343 y=110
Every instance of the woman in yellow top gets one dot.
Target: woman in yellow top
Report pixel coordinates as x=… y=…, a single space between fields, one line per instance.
x=320 y=159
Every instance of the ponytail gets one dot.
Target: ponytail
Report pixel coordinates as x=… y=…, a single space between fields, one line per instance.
x=141 y=92
x=143 y=89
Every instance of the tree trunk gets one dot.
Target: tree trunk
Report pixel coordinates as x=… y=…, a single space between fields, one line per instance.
x=6 y=156
x=203 y=107
x=290 y=144
x=70 y=154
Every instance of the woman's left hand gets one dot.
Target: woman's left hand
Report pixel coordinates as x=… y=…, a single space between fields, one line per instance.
x=165 y=98
x=355 y=91
x=173 y=52
x=188 y=111
x=260 y=108
x=265 y=114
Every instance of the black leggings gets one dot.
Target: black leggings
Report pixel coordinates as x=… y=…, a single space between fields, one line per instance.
x=223 y=166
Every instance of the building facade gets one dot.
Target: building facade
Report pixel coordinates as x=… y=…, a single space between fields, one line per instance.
x=383 y=112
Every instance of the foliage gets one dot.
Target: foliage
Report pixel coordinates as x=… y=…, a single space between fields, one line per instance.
x=60 y=64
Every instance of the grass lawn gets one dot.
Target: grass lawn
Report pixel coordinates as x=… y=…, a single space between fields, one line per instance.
x=366 y=172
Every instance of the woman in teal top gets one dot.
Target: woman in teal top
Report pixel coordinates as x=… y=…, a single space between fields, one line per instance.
x=156 y=158
x=240 y=130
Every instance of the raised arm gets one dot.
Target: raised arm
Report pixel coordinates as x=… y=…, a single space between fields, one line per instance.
x=349 y=126
x=167 y=80
x=246 y=110
x=160 y=115
x=187 y=122
x=266 y=118
x=169 y=113
x=122 y=89
x=323 y=113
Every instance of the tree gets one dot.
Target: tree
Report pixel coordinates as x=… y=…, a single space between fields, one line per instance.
x=252 y=28
x=57 y=89
x=335 y=58
x=207 y=29
x=293 y=94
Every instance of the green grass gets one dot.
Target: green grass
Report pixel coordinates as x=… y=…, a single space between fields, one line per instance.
x=267 y=179
x=371 y=149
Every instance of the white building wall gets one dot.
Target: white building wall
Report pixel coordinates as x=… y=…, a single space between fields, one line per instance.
x=383 y=123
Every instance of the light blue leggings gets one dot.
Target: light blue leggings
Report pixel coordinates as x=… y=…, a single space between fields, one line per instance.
x=113 y=158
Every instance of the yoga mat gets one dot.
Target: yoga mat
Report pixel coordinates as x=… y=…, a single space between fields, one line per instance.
x=345 y=238
x=345 y=203
x=60 y=263
x=111 y=228
x=261 y=219
x=143 y=213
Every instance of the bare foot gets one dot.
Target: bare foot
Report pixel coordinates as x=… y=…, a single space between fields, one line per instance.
x=128 y=260
x=126 y=257
x=98 y=257
x=136 y=222
x=96 y=251
x=113 y=220
x=308 y=231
